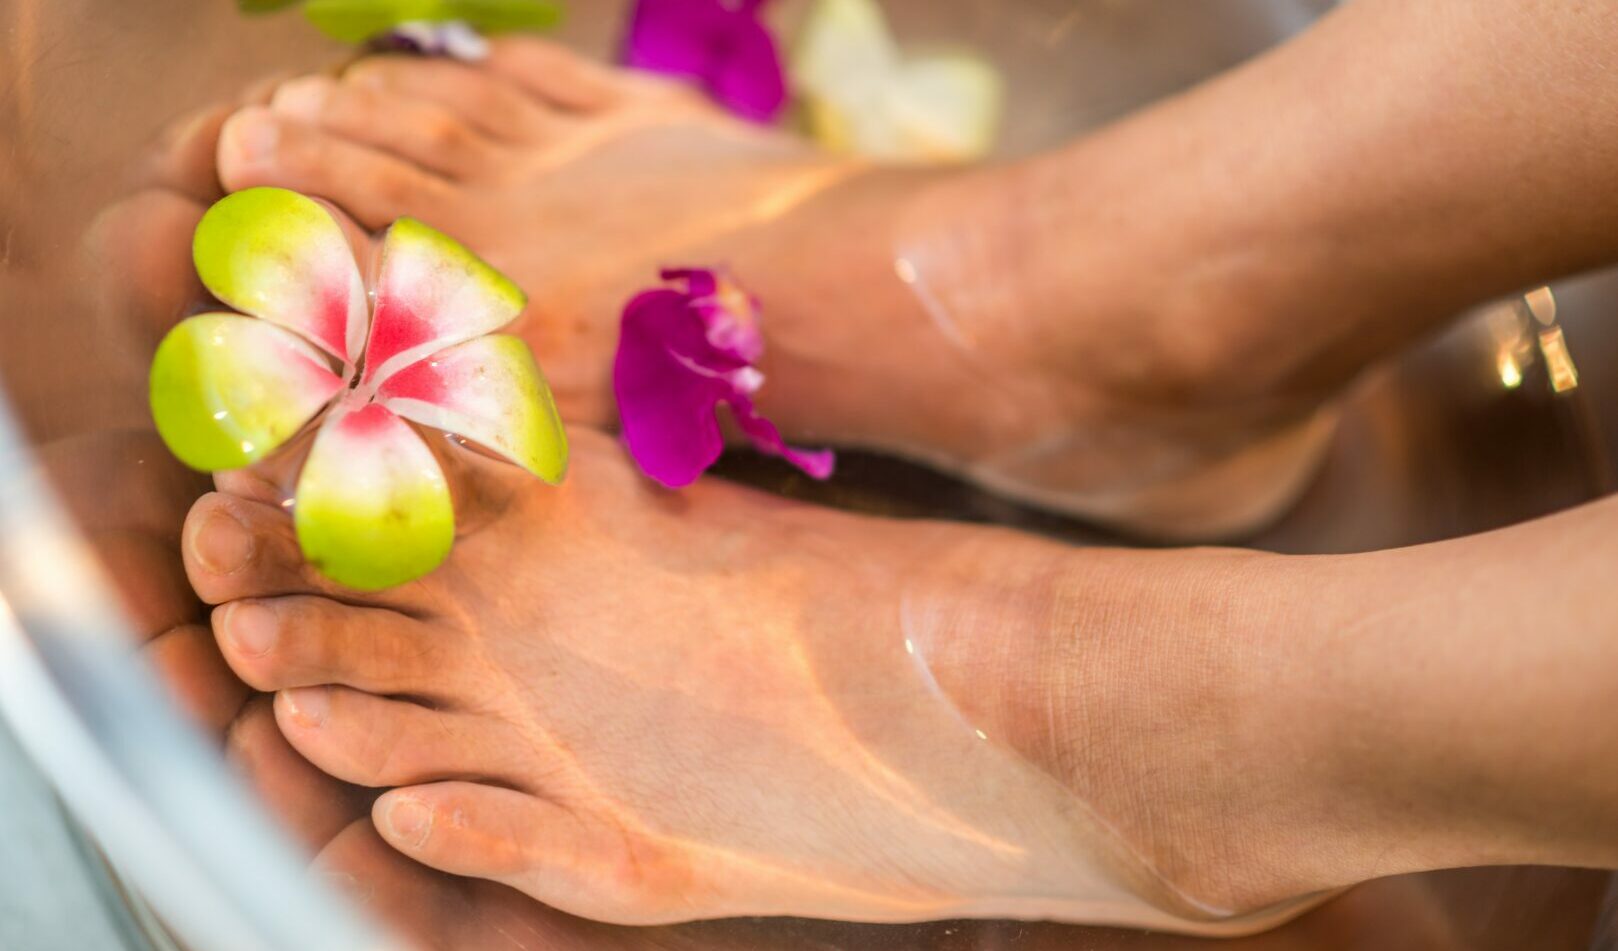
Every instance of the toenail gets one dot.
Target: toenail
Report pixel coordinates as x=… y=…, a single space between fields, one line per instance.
x=252 y=629
x=303 y=98
x=353 y=889
x=254 y=135
x=308 y=705
x=410 y=820
x=223 y=545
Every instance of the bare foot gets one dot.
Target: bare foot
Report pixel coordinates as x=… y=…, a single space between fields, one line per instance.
x=581 y=181
x=643 y=708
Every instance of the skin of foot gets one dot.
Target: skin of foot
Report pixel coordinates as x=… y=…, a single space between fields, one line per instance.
x=450 y=913
x=644 y=707
x=1146 y=326
x=581 y=181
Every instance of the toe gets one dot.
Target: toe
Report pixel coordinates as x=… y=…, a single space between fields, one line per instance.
x=149 y=579
x=235 y=548
x=466 y=828
x=302 y=641
x=556 y=74
x=188 y=663
x=435 y=910
x=492 y=104
x=184 y=158
x=541 y=848
x=417 y=130
x=374 y=741
x=311 y=804
x=262 y=147
x=144 y=276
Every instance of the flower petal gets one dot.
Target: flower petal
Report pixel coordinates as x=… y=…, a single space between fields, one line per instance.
x=278 y=255
x=863 y=97
x=373 y=508
x=227 y=390
x=666 y=409
x=432 y=293
x=454 y=39
x=355 y=21
x=724 y=46
x=489 y=390
x=673 y=36
x=945 y=108
x=670 y=377
x=844 y=44
x=816 y=463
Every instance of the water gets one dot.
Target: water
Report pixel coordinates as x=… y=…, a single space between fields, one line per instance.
x=1432 y=449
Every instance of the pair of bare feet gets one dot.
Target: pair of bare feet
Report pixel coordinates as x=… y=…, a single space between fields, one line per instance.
x=647 y=708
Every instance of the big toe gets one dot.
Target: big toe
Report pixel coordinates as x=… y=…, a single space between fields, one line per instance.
x=236 y=548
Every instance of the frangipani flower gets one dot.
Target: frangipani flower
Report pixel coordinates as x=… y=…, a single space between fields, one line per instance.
x=682 y=351
x=372 y=506
x=720 y=43
x=864 y=97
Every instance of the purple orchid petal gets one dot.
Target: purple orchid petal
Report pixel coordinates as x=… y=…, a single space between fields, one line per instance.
x=720 y=44
x=454 y=39
x=670 y=376
x=727 y=310
x=816 y=463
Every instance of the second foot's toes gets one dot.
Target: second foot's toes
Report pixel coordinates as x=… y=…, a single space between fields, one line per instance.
x=417 y=130
x=304 y=641
x=495 y=106
x=260 y=146
x=188 y=663
x=557 y=75
x=375 y=741
x=311 y=804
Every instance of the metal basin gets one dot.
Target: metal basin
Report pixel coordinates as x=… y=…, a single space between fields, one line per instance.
x=1433 y=446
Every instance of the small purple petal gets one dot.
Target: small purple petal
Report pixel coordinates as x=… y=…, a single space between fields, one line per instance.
x=667 y=411
x=670 y=375
x=720 y=44
x=817 y=464
x=452 y=38
x=748 y=78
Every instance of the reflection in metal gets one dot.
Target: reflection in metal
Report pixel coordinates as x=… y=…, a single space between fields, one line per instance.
x=148 y=789
x=1541 y=304
x=1510 y=372
x=1558 y=360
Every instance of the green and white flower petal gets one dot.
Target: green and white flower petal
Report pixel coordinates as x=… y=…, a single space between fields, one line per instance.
x=844 y=44
x=372 y=506
x=432 y=293
x=490 y=391
x=276 y=254
x=227 y=390
x=863 y=97
x=355 y=21
x=944 y=108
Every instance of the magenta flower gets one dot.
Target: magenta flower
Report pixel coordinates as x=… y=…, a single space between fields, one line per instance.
x=682 y=351
x=720 y=43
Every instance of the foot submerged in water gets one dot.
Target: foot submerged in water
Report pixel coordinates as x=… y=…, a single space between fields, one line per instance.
x=581 y=181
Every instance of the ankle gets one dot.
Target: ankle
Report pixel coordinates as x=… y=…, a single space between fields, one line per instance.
x=1168 y=692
